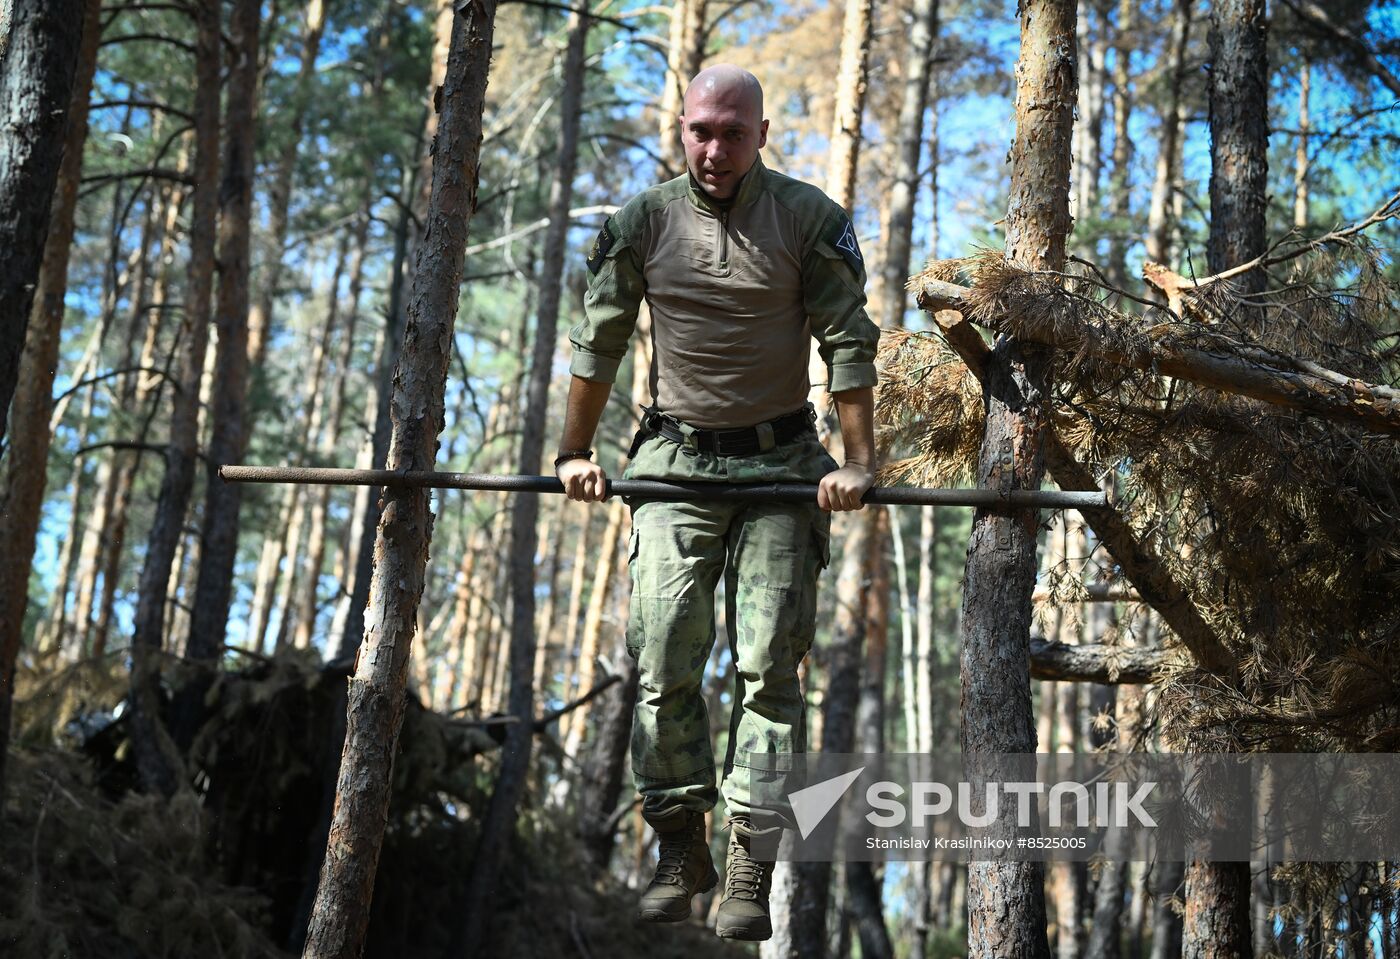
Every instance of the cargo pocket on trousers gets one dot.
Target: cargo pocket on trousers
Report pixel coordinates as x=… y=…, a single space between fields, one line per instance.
x=818 y=558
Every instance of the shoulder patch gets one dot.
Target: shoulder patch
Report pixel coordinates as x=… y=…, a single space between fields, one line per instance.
x=842 y=237
x=604 y=242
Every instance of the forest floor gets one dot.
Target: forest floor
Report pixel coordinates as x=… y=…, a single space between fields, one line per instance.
x=90 y=866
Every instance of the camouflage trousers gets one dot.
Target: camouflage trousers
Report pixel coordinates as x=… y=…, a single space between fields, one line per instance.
x=770 y=555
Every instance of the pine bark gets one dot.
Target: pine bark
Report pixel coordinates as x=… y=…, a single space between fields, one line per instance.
x=904 y=188
x=156 y=759
x=24 y=469
x=228 y=437
x=36 y=89
x=843 y=161
x=340 y=915
x=1159 y=215
x=1006 y=904
x=1239 y=133
x=416 y=182
x=1217 y=893
x=851 y=84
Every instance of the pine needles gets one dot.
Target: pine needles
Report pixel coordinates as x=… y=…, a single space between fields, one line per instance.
x=1282 y=526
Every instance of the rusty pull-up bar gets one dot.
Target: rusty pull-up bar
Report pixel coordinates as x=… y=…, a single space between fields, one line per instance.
x=652 y=489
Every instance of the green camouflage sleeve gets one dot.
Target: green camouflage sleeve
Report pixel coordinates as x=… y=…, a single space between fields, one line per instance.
x=833 y=290
x=615 y=288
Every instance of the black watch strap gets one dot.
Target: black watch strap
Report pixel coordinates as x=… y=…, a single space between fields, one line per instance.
x=564 y=457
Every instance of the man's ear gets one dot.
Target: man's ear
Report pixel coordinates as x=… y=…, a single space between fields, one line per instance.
x=763 y=134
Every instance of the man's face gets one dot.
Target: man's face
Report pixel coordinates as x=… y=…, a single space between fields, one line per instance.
x=722 y=133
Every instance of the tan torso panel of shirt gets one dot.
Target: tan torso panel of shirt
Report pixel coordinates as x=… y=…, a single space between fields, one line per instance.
x=729 y=326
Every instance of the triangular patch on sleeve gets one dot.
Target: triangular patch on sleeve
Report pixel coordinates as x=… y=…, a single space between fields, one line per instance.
x=604 y=242
x=842 y=237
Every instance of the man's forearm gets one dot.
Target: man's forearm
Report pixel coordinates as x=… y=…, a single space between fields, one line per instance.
x=856 y=411
x=587 y=398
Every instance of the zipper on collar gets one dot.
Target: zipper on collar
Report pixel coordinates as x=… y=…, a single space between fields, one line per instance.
x=723 y=217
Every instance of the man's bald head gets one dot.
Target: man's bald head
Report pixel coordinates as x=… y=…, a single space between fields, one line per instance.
x=722 y=128
x=726 y=82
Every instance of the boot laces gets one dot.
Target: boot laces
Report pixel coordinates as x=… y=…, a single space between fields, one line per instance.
x=745 y=873
x=673 y=850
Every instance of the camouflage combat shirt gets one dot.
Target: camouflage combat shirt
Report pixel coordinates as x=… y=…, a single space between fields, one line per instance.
x=736 y=295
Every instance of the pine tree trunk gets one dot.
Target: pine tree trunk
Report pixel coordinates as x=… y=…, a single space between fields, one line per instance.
x=1217 y=893
x=851 y=83
x=36 y=88
x=1159 y=214
x=318 y=405
x=156 y=759
x=406 y=239
x=927 y=658
x=1300 y=160
x=138 y=390
x=498 y=826
x=280 y=188
x=340 y=915
x=1121 y=181
x=309 y=604
x=843 y=160
x=222 y=501
x=904 y=189
x=1088 y=131
x=843 y=660
x=862 y=884
x=1006 y=906
x=24 y=469
x=603 y=577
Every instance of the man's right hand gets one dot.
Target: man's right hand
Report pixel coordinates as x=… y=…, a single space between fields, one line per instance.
x=583 y=480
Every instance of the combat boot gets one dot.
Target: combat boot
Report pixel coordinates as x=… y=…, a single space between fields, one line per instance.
x=684 y=867
x=743 y=913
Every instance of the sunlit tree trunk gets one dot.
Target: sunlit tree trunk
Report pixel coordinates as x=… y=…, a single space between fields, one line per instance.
x=843 y=157
x=604 y=573
x=1088 y=130
x=1121 y=181
x=416 y=183
x=1006 y=905
x=340 y=915
x=1159 y=215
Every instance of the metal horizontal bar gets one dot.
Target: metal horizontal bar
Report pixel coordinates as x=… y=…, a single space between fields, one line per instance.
x=653 y=489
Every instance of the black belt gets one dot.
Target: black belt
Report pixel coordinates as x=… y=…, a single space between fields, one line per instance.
x=738 y=442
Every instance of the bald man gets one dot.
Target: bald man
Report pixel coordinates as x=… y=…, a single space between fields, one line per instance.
x=741 y=268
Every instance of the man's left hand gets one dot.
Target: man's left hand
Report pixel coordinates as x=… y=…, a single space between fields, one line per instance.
x=841 y=490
